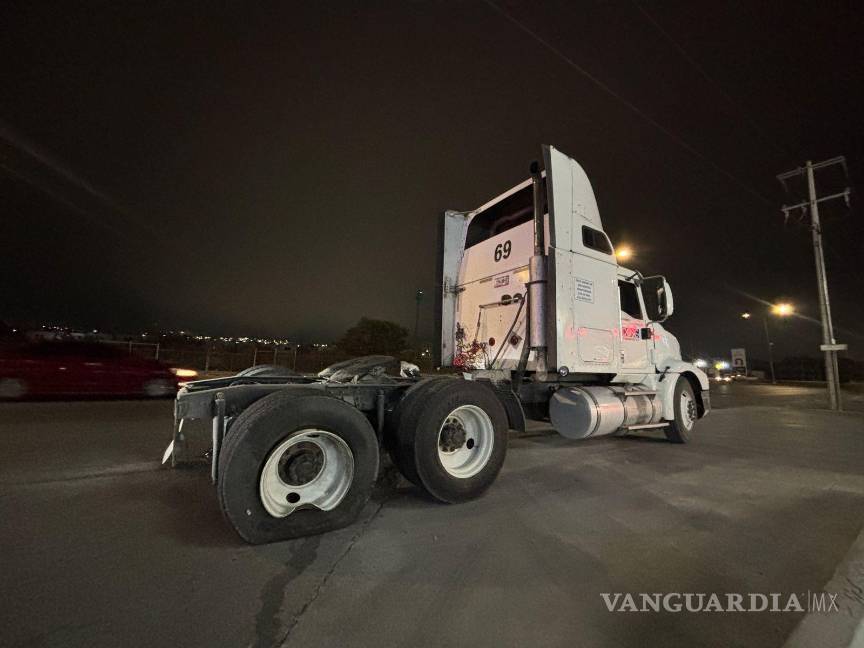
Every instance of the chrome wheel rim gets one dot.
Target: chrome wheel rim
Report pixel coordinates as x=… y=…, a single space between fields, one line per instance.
x=309 y=469
x=465 y=441
x=688 y=409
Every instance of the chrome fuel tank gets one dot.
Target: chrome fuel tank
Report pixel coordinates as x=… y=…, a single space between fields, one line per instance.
x=581 y=412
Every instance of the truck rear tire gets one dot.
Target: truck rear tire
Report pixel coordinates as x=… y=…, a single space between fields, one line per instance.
x=399 y=427
x=686 y=412
x=297 y=464
x=457 y=436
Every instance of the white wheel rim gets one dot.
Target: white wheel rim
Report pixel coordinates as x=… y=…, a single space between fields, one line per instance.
x=465 y=441
x=311 y=468
x=688 y=410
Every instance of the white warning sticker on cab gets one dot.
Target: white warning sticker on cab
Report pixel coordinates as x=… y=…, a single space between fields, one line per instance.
x=584 y=290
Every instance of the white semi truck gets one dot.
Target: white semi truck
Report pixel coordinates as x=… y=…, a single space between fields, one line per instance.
x=541 y=322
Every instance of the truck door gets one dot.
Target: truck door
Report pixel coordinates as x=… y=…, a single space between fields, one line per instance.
x=634 y=350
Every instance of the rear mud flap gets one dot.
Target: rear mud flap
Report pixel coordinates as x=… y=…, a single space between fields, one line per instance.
x=169 y=453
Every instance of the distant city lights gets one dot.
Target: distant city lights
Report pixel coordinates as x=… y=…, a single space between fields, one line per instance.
x=55 y=331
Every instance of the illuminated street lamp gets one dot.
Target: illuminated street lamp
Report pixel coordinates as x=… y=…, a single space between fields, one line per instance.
x=781 y=309
x=623 y=253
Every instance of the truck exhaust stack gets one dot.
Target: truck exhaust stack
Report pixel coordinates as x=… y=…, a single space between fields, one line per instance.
x=537 y=280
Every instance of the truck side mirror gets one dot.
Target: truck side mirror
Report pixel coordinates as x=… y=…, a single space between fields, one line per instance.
x=657 y=296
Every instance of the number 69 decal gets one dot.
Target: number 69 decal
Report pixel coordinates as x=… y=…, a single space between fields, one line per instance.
x=502 y=250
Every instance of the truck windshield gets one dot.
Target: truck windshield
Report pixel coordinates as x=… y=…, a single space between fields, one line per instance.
x=514 y=210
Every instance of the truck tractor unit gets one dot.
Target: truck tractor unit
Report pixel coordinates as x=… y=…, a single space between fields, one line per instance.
x=538 y=321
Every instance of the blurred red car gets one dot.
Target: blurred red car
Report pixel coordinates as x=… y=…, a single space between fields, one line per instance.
x=80 y=369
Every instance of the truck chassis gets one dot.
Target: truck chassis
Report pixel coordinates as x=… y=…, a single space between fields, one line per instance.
x=294 y=455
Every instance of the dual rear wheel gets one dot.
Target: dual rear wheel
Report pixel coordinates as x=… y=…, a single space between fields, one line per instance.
x=297 y=462
x=300 y=462
x=449 y=437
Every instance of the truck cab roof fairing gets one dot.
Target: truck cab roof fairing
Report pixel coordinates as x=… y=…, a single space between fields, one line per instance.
x=570 y=203
x=571 y=199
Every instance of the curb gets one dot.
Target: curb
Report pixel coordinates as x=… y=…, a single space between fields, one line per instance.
x=843 y=628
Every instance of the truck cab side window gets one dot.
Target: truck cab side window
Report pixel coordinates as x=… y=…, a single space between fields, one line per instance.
x=595 y=240
x=629 y=299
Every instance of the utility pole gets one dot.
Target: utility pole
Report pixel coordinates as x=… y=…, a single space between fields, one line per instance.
x=419 y=298
x=829 y=344
x=770 y=351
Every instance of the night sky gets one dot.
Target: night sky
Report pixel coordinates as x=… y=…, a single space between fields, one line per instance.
x=253 y=169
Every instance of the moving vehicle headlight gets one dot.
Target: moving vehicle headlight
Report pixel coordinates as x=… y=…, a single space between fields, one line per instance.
x=185 y=373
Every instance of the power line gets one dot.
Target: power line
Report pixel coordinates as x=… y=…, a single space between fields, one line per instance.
x=17 y=142
x=711 y=81
x=633 y=107
x=65 y=202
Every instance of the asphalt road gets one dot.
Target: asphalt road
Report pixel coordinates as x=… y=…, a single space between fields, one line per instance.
x=99 y=546
x=745 y=394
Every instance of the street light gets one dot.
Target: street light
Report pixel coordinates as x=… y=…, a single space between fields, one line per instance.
x=623 y=253
x=782 y=309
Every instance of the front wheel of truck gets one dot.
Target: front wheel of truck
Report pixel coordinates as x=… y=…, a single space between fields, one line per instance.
x=298 y=464
x=686 y=412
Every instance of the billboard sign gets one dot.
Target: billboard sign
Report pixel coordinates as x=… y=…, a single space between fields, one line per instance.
x=739 y=360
